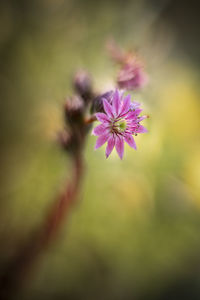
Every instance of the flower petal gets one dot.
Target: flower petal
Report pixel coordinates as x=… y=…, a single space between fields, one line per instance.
x=119 y=145
x=101 y=140
x=130 y=141
x=141 y=129
x=110 y=146
x=116 y=103
x=131 y=115
x=102 y=117
x=135 y=105
x=142 y=118
x=138 y=111
x=108 y=108
x=100 y=129
x=125 y=105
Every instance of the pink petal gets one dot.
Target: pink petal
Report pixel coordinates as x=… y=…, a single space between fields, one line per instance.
x=130 y=141
x=142 y=118
x=108 y=108
x=102 y=117
x=121 y=93
x=119 y=145
x=141 y=129
x=101 y=140
x=116 y=103
x=125 y=105
x=110 y=146
x=130 y=115
x=138 y=111
x=100 y=129
x=135 y=105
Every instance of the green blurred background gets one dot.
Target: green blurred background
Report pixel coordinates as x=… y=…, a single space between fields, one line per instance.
x=135 y=232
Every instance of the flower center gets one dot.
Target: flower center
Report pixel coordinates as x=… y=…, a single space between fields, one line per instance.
x=120 y=126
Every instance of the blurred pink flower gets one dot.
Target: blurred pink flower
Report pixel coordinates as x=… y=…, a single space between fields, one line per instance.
x=120 y=121
x=132 y=76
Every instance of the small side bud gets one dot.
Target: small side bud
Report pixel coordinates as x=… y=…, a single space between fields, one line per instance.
x=74 y=110
x=97 y=105
x=83 y=85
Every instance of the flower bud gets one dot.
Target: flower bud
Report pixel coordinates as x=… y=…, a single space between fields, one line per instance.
x=97 y=105
x=74 y=110
x=83 y=85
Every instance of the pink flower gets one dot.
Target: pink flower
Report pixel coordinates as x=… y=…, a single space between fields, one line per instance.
x=120 y=121
x=132 y=76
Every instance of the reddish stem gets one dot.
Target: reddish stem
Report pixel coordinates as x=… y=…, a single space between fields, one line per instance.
x=18 y=270
x=90 y=120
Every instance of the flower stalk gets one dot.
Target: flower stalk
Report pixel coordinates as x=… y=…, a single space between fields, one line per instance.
x=20 y=269
x=119 y=119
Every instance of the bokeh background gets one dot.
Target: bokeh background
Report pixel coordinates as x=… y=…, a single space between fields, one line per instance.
x=135 y=231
